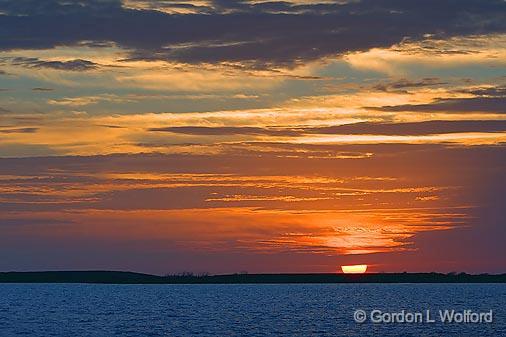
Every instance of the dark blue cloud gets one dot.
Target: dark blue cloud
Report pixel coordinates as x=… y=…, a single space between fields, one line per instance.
x=42 y=89
x=18 y=130
x=71 y=65
x=491 y=99
x=261 y=35
x=404 y=84
x=408 y=129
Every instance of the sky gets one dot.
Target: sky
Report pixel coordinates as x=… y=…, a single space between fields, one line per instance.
x=253 y=136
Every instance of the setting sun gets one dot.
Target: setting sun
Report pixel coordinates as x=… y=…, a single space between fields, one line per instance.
x=355 y=269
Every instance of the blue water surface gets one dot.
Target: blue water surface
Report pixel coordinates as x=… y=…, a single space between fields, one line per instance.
x=242 y=310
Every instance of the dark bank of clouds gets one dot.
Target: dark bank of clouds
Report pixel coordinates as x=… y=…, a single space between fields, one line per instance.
x=492 y=99
x=261 y=35
x=415 y=128
x=475 y=104
x=387 y=129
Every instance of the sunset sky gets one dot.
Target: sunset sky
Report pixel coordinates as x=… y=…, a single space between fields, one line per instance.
x=262 y=136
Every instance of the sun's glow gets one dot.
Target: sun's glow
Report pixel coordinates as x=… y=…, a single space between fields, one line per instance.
x=355 y=269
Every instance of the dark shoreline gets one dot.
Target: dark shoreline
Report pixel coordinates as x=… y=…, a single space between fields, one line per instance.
x=117 y=277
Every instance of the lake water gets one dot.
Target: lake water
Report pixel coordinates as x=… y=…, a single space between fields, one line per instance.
x=243 y=310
